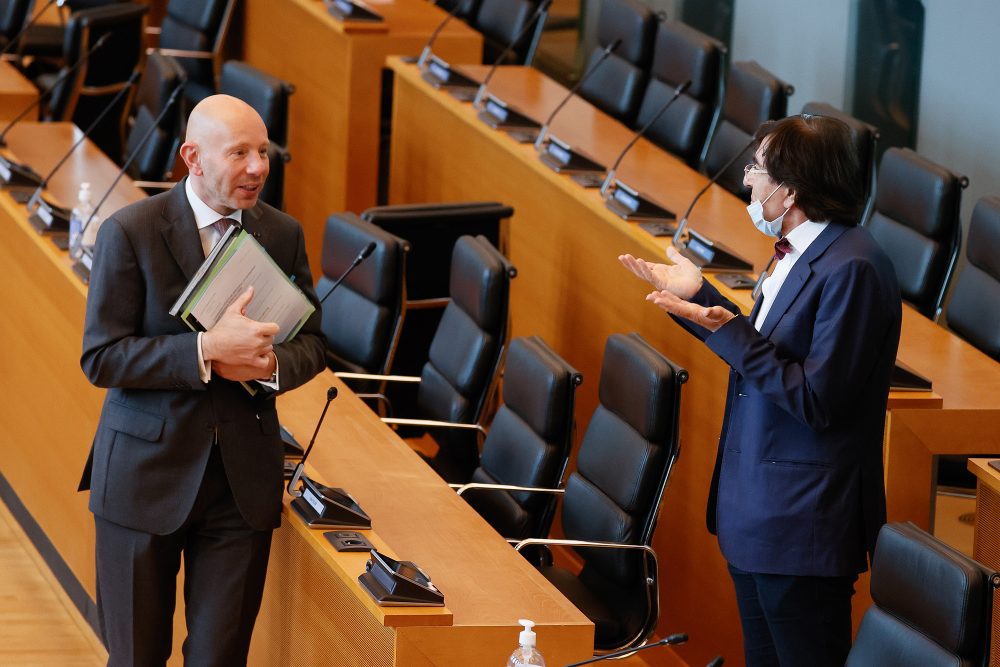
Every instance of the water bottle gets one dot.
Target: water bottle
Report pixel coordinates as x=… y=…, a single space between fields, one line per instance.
x=81 y=212
x=526 y=655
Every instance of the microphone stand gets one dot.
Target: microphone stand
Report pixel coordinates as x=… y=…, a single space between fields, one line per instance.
x=5 y=54
x=678 y=638
x=321 y=506
x=435 y=70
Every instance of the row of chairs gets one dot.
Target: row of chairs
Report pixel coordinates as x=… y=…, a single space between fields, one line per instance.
x=513 y=476
x=500 y=22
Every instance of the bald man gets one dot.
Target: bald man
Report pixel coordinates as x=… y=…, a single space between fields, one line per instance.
x=185 y=461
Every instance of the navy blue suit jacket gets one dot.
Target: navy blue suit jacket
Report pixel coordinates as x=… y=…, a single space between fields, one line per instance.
x=798 y=486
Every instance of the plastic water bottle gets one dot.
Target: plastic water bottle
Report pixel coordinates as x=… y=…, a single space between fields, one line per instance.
x=81 y=212
x=526 y=654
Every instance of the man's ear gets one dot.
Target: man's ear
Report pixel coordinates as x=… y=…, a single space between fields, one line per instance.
x=191 y=157
x=789 y=199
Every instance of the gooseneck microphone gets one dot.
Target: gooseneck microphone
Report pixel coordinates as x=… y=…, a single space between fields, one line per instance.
x=678 y=638
x=481 y=93
x=44 y=96
x=544 y=131
x=331 y=394
x=682 y=225
x=36 y=198
x=678 y=91
x=362 y=256
x=27 y=26
x=425 y=53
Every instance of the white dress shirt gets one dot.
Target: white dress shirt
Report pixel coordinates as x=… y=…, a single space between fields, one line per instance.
x=206 y=218
x=800 y=238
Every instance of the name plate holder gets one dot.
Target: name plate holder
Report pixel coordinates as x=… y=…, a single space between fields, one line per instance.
x=441 y=75
x=560 y=157
x=394 y=583
x=83 y=266
x=632 y=206
x=347 y=10
x=498 y=115
x=322 y=506
x=711 y=256
x=16 y=175
x=48 y=218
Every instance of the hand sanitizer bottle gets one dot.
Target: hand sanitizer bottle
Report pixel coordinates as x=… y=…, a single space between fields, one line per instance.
x=526 y=654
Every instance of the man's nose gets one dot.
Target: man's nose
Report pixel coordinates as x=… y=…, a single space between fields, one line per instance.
x=257 y=164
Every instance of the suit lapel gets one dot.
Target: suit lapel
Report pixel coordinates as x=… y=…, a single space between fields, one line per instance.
x=798 y=277
x=180 y=232
x=252 y=224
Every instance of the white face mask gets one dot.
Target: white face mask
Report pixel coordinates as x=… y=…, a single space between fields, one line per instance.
x=768 y=227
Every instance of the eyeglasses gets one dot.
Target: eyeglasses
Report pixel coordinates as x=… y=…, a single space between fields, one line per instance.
x=752 y=168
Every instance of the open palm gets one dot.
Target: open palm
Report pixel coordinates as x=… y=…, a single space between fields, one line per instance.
x=681 y=278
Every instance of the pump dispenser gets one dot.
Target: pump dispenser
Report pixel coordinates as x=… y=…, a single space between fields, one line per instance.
x=526 y=654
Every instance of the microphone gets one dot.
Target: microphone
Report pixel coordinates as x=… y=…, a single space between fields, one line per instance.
x=21 y=175
x=678 y=638
x=27 y=26
x=425 y=52
x=362 y=256
x=544 y=131
x=436 y=71
x=678 y=91
x=717 y=661
x=705 y=253
x=318 y=505
x=481 y=93
x=50 y=215
x=82 y=267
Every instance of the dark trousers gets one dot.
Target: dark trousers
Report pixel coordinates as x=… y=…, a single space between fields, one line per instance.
x=791 y=621
x=225 y=562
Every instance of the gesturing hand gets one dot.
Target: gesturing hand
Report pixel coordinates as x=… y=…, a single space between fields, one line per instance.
x=682 y=278
x=711 y=318
x=236 y=340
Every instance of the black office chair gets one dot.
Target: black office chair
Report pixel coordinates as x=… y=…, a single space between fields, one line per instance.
x=681 y=53
x=974 y=305
x=933 y=606
x=865 y=138
x=194 y=31
x=156 y=157
x=466 y=12
x=45 y=40
x=617 y=85
x=529 y=441
x=916 y=221
x=363 y=317
x=455 y=385
x=82 y=96
x=500 y=21
x=753 y=96
x=13 y=15
x=611 y=502
x=266 y=93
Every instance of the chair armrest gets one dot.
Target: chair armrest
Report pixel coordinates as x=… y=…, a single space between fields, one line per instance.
x=585 y=543
x=182 y=53
x=373 y=376
x=431 y=423
x=426 y=304
x=154 y=185
x=462 y=488
x=153 y=30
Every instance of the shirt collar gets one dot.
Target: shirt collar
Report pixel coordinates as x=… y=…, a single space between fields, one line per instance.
x=204 y=216
x=804 y=234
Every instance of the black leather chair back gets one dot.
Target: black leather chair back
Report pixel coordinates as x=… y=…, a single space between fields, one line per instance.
x=82 y=96
x=155 y=160
x=13 y=15
x=753 y=96
x=267 y=94
x=529 y=440
x=974 y=306
x=681 y=53
x=467 y=10
x=916 y=221
x=197 y=25
x=617 y=85
x=933 y=605
x=500 y=21
x=865 y=138
x=273 y=192
x=362 y=318
x=466 y=352
x=614 y=495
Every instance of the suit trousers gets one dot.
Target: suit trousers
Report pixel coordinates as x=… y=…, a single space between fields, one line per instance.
x=794 y=621
x=225 y=562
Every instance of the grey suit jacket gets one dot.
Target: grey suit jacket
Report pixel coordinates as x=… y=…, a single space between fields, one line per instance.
x=159 y=419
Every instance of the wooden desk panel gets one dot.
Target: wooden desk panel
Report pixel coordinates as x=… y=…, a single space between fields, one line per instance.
x=334 y=113
x=16 y=92
x=572 y=291
x=986 y=545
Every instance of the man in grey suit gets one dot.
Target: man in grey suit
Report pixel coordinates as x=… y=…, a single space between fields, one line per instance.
x=185 y=460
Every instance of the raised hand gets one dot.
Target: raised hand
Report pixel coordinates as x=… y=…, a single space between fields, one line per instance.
x=681 y=278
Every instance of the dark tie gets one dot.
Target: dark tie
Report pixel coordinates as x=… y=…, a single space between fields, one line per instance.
x=781 y=248
x=221 y=225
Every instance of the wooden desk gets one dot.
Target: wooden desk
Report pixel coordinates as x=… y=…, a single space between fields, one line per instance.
x=572 y=292
x=16 y=92
x=986 y=544
x=313 y=610
x=335 y=112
